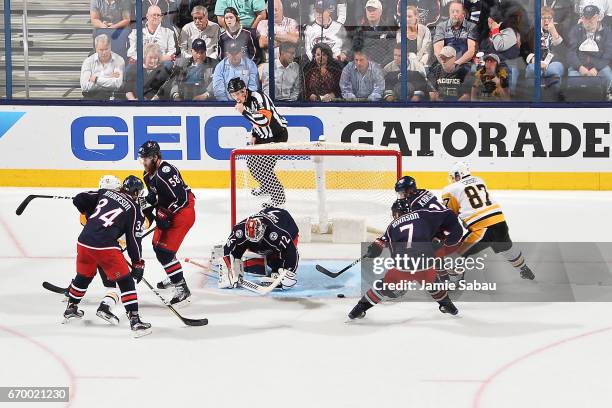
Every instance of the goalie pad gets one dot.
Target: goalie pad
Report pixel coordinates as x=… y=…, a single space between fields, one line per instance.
x=229 y=276
x=289 y=280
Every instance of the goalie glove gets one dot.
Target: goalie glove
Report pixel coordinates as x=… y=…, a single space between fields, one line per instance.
x=289 y=280
x=375 y=249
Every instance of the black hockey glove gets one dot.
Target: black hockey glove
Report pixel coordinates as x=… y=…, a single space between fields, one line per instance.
x=375 y=249
x=163 y=218
x=137 y=271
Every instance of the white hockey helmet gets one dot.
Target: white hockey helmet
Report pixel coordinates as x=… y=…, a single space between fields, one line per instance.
x=254 y=229
x=461 y=169
x=109 y=182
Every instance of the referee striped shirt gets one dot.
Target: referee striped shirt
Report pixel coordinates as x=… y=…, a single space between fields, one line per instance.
x=268 y=125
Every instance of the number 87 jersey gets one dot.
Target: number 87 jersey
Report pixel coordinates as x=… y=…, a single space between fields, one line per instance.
x=469 y=198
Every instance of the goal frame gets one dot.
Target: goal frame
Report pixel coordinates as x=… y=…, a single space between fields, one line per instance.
x=303 y=152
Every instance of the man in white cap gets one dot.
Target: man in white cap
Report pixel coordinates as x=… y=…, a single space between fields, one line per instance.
x=374 y=35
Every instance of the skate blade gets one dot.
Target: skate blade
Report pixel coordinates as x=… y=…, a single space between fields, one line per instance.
x=141 y=333
x=114 y=321
x=67 y=320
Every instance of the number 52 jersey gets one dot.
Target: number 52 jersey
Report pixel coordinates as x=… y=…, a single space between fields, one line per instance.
x=469 y=198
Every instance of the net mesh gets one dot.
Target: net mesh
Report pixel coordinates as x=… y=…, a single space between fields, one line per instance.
x=321 y=182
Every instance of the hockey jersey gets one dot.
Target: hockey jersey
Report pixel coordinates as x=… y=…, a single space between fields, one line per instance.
x=333 y=35
x=469 y=198
x=279 y=238
x=167 y=182
x=114 y=214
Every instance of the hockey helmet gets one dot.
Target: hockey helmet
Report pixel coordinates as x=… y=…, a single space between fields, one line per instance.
x=405 y=187
x=149 y=149
x=132 y=185
x=254 y=229
x=109 y=182
x=235 y=85
x=400 y=207
x=459 y=169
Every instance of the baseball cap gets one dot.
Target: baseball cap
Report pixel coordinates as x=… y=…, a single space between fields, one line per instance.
x=492 y=56
x=321 y=5
x=374 y=4
x=198 y=45
x=590 y=11
x=448 y=52
x=233 y=47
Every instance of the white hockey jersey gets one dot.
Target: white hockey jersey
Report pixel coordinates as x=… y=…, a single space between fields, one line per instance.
x=334 y=35
x=469 y=198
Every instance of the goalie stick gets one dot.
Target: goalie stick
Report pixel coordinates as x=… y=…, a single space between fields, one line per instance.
x=29 y=198
x=336 y=274
x=58 y=289
x=249 y=285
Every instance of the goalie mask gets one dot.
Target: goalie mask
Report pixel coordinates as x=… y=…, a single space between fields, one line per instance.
x=254 y=229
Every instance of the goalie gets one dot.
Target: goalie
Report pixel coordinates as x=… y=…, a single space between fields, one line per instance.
x=265 y=244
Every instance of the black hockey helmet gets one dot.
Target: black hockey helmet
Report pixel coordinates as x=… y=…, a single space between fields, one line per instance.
x=132 y=185
x=405 y=187
x=400 y=207
x=235 y=85
x=149 y=149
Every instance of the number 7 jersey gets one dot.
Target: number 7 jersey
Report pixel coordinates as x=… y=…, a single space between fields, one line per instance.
x=469 y=198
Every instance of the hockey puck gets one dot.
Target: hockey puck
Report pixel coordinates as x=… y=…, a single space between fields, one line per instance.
x=340 y=295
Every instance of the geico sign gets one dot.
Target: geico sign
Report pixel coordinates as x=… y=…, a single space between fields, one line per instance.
x=486 y=139
x=118 y=141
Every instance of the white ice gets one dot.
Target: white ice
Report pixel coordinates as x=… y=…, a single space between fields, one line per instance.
x=283 y=352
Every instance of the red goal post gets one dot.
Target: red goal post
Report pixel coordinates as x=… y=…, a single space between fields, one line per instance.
x=314 y=169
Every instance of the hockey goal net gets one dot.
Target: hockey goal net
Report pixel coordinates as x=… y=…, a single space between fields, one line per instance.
x=319 y=183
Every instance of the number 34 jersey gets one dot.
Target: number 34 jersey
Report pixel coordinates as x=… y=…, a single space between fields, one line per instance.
x=115 y=214
x=469 y=198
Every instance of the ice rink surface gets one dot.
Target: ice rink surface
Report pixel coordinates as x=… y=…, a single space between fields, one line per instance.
x=281 y=351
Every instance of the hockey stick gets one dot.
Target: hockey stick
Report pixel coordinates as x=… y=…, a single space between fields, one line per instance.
x=248 y=285
x=185 y=320
x=336 y=274
x=58 y=289
x=29 y=198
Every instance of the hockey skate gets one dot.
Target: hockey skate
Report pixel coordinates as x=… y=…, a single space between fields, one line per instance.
x=72 y=312
x=181 y=295
x=104 y=312
x=359 y=311
x=447 y=306
x=138 y=327
x=526 y=273
x=165 y=284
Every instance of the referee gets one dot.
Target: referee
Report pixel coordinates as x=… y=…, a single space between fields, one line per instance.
x=268 y=127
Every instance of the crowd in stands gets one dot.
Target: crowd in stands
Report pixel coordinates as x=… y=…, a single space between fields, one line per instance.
x=332 y=50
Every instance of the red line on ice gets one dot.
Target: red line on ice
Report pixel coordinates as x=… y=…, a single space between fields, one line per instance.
x=13 y=237
x=72 y=377
x=487 y=382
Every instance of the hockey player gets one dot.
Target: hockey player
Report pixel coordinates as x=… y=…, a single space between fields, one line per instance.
x=406 y=187
x=175 y=215
x=468 y=197
x=410 y=235
x=86 y=204
x=271 y=233
x=116 y=213
x=268 y=127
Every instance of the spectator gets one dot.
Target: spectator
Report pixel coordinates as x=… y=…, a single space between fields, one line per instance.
x=102 y=72
x=428 y=11
x=112 y=17
x=504 y=41
x=236 y=64
x=194 y=77
x=447 y=80
x=187 y=6
x=604 y=6
x=322 y=75
x=552 y=51
x=234 y=33
x=356 y=14
x=491 y=81
x=285 y=30
x=416 y=82
x=478 y=12
x=154 y=33
x=456 y=32
x=374 y=36
x=286 y=74
x=418 y=41
x=169 y=11
x=250 y=12
x=325 y=30
x=200 y=27
x=362 y=79
x=155 y=76
x=590 y=46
